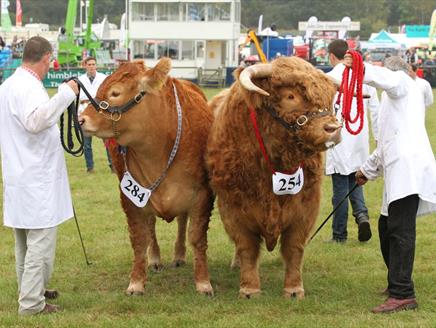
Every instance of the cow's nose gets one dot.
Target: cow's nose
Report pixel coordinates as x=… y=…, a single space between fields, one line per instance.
x=81 y=120
x=331 y=127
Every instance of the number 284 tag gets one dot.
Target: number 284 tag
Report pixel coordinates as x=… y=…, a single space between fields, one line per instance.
x=134 y=191
x=288 y=184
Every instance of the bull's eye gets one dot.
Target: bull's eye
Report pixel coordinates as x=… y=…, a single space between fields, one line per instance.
x=291 y=97
x=115 y=94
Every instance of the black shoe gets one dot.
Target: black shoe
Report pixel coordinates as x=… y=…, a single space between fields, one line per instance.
x=364 y=229
x=51 y=294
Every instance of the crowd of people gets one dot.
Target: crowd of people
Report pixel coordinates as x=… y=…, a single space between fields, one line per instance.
x=34 y=169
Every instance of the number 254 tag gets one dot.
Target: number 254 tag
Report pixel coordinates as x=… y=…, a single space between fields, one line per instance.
x=134 y=191
x=288 y=184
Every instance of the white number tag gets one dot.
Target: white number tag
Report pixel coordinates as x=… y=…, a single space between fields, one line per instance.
x=134 y=191
x=288 y=184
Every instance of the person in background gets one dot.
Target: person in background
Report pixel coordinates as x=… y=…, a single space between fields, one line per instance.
x=405 y=159
x=91 y=80
x=36 y=191
x=344 y=159
x=423 y=84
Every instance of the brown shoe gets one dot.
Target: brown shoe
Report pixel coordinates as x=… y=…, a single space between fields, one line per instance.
x=51 y=294
x=50 y=308
x=394 y=305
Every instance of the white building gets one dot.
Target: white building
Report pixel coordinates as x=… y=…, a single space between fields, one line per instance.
x=193 y=33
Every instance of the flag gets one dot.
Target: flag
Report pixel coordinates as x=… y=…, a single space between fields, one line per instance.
x=19 y=14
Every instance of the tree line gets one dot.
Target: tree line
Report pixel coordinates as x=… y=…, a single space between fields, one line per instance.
x=373 y=15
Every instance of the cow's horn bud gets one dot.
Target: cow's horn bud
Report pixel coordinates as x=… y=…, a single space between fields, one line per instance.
x=255 y=71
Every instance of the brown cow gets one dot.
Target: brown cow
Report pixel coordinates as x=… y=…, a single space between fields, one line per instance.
x=148 y=128
x=293 y=104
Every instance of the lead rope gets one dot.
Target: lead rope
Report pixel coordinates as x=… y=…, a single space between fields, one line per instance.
x=347 y=90
x=156 y=184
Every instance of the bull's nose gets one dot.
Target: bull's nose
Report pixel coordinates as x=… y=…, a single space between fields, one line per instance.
x=81 y=120
x=331 y=127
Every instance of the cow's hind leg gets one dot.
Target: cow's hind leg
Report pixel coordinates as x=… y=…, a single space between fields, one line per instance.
x=153 y=253
x=180 y=245
x=137 y=222
x=292 y=249
x=198 y=226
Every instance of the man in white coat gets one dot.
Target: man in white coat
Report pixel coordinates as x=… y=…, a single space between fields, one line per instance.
x=343 y=160
x=405 y=158
x=424 y=86
x=35 y=183
x=91 y=80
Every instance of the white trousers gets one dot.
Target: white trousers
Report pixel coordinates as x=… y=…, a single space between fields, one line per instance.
x=34 y=256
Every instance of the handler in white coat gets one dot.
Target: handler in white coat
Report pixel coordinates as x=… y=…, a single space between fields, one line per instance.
x=36 y=189
x=343 y=160
x=405 y=158
x=91 y=80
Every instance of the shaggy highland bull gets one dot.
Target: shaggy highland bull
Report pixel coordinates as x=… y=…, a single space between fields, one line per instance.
x=276 y=117
x=163 y=123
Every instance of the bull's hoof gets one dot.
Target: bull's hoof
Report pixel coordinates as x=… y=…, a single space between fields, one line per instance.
x=204 y=288
x=135 y=289
x=248 y=293
x=178 y=263
x=156 y=267
x=294 y=293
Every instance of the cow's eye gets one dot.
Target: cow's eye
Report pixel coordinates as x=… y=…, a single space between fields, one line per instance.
x=115 y=94
x=291 y=97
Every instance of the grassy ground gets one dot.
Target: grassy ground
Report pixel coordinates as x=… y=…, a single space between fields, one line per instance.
x=341 y=281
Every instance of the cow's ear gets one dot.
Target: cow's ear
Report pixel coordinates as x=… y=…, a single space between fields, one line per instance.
x=154 y=78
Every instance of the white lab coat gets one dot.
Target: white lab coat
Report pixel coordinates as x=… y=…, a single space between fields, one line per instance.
x=36 y=192
x=347 y=156
x=90 y=87
x=426 y=89
x=403 y=154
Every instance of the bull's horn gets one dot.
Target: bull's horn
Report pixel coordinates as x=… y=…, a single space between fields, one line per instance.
x=259 y=71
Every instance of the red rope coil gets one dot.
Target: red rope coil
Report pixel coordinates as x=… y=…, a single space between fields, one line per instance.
x=348 y=86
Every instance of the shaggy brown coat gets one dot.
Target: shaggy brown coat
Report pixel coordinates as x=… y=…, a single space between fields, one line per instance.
x=148 y=130
x=241 y=177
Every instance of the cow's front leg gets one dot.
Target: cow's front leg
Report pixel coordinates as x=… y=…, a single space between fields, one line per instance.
x=153 y=253
x=292 y=249
x=180 y=245
x=248 y=249
x=137 y=221
x=198 y=226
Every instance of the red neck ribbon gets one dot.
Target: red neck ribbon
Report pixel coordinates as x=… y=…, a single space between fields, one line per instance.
x=262 y=145
x=347 y=89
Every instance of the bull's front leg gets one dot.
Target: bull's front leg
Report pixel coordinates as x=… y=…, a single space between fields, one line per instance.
x=198 y=226
x=153 y=253
x=180 y=245
x=248 y=249
x=292 y=249
x=137 y=221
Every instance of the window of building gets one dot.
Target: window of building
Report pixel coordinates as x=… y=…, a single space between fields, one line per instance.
x=168 y=48
x=168 y=11
x=195 y=11
x=142 y=11
x=199 y=45
x=188 y=50
x=237 y=12
x=218 y=12
x=150 y=48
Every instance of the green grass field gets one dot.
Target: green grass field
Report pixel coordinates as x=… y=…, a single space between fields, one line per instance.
x=341 y=281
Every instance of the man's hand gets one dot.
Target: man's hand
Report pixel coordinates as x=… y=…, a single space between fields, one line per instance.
x=348 y=60
x=360 y=178
x=73 y=85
